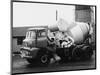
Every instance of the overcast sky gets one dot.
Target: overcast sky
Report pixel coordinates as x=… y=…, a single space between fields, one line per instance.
x=30 y=14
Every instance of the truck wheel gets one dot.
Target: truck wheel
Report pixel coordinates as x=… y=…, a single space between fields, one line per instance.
x=44 y=58
x=88 y=52
x=76 y=53
x=83 y=53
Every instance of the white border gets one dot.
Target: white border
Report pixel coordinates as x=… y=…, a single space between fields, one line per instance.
x=5 y=37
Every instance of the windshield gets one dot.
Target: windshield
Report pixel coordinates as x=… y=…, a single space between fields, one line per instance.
x=31 y=35
x=42 y=33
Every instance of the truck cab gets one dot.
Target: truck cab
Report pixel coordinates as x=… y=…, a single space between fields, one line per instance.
x=36 y=37
x=35 y=41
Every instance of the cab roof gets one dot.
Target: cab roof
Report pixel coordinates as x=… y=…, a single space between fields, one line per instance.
x=37 y=28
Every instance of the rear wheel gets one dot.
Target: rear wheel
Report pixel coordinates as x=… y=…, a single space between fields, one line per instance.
x=83 y=53
x=76 y=54
x=88 y=52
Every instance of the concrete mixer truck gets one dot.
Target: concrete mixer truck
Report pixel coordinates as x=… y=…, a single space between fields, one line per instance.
x=44 y=43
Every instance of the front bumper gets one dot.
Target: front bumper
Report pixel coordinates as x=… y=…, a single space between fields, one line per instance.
x=27 y=52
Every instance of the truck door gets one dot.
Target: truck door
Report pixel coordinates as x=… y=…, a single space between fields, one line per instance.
x=42 y=39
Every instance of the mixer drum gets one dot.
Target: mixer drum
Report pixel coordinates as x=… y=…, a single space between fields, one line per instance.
x=79 y=32
x=53 y=28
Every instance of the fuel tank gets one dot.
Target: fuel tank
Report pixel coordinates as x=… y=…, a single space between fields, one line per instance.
x=79 y=32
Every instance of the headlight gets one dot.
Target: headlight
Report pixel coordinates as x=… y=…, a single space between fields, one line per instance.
x=25 y=52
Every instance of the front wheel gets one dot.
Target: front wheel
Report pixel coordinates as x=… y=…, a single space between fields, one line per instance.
x=43 y=58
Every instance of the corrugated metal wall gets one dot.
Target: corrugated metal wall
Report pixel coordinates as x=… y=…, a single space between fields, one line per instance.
x=83 y=15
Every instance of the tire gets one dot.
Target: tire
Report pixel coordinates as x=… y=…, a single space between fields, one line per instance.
x=43 y=58
x=83 y=53
x=87 y=53
x=76 y=54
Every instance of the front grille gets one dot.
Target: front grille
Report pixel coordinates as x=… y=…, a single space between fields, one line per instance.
x=25 y=52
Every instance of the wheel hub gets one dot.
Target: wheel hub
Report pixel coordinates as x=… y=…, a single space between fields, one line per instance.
x=44 y=59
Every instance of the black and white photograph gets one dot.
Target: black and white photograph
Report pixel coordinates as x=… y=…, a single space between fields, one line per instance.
x=52 y=37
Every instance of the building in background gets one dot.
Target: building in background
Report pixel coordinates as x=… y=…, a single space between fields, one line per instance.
x=83 y=14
